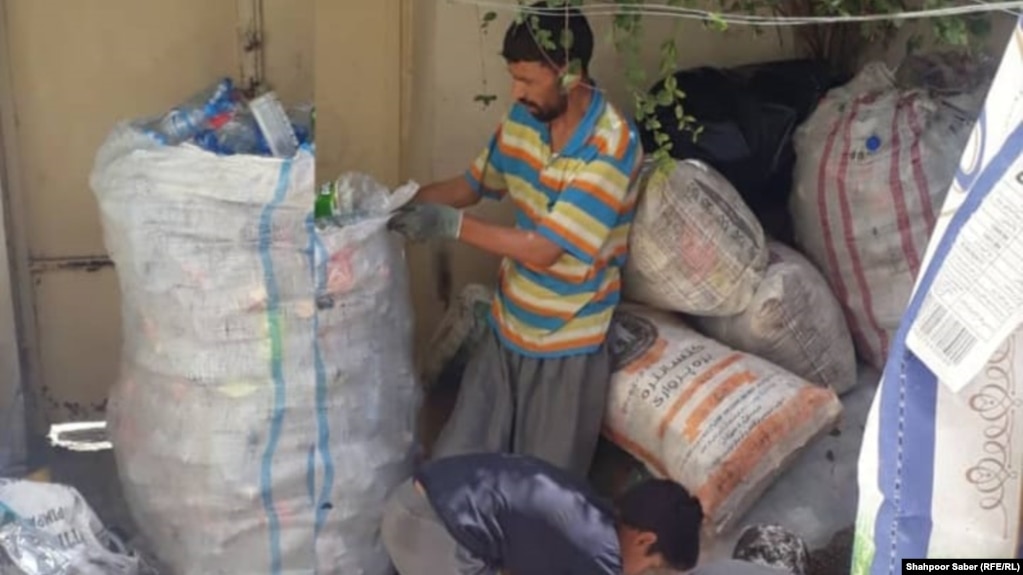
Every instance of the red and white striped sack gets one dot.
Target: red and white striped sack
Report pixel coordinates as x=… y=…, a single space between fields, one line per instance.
x=874 y=163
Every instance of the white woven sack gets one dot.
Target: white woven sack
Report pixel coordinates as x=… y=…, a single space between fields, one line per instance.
x=793 y=321
x=695 y=247
x=267 y=398
x=874 y=163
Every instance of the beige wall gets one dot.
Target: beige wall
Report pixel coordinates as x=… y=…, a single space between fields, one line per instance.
x=448 y=129
x=358 y=88
x=289 y=48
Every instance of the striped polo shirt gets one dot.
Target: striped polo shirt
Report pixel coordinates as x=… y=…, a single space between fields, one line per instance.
x=583 y=200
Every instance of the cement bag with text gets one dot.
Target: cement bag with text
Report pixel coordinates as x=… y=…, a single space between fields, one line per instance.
x=939 y=469
x=694 y=246
x=794 y=322
x=453 y=343
x=874 y=164
x=49 y=529
x=267 y=398
x=722 y=423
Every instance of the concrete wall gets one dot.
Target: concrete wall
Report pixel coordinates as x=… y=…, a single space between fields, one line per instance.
x=452 y=60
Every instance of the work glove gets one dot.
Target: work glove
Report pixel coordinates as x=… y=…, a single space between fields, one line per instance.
x=421 y=222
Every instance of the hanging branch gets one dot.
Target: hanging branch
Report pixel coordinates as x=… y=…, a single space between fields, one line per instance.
x=839 y=44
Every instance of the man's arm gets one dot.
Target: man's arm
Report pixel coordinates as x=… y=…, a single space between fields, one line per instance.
x=483 y=179
x=524 y=247
x=455 y=192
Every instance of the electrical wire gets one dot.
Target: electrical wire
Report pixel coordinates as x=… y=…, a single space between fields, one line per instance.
x=666 y=10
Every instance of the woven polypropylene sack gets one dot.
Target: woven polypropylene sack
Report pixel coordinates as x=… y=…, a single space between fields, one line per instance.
x=49 y=529
x=267 y=398
x=874 y=164
x=722 y=423
x=695 y=247
x=793 y=321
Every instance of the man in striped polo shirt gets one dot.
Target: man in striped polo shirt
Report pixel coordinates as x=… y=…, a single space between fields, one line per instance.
x=566 y=158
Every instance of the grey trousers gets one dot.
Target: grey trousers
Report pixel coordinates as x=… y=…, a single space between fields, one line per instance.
x=551 y=409
x=419 y=543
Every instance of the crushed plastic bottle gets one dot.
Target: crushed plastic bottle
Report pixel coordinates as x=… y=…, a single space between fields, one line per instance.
x=188 y=119
x=237 y=134
x=275 y=125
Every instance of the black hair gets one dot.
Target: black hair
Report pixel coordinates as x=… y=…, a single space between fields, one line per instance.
x=540 y=37
x=667 y=510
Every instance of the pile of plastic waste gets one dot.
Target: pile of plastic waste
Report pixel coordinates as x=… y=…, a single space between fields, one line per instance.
x=220 y=120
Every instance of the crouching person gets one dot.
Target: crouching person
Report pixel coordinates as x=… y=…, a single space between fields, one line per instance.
x=490 y=514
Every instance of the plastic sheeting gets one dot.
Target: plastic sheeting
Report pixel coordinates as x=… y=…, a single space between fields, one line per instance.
x=266 y=404
x=49 y=529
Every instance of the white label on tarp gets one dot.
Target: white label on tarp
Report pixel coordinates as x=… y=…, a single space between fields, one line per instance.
x=976 y=299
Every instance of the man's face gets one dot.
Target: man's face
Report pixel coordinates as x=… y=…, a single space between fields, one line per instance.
x=537 y=87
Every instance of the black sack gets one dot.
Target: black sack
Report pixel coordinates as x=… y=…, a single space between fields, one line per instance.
x=748 y=115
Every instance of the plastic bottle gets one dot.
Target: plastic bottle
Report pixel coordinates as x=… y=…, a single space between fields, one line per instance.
x=236 y=133
x=301 y=118
x=188 y=119
x=326 y=205
x=274 y=123
x=241 y=135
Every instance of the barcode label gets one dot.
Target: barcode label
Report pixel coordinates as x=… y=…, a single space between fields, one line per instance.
x=974 y=300
x=945 y=334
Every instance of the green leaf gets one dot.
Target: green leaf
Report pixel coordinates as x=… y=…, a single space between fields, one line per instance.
x=717 y=23
x=668 y=50
x=671 y=85
x=488 y=18
x=567 y=39
x=680 y=114
x=485 y=99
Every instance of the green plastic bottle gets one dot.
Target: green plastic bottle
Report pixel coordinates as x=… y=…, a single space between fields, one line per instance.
x=326 y=204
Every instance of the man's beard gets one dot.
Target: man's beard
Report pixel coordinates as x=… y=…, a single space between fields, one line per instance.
x=547 y=115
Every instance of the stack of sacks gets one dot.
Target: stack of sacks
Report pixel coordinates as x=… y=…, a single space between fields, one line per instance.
x=697 y=249
x=726 y=417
